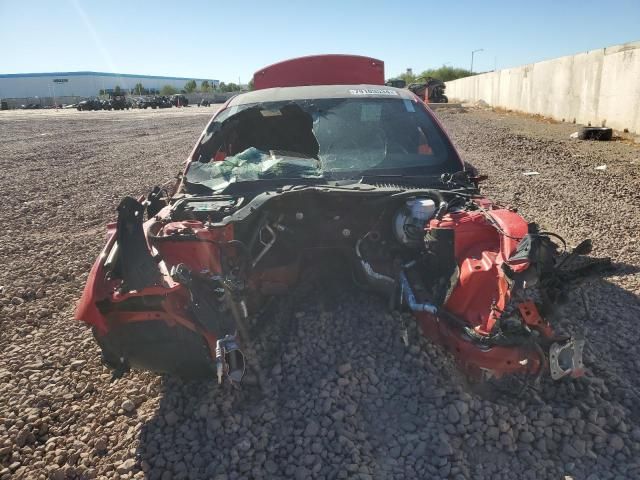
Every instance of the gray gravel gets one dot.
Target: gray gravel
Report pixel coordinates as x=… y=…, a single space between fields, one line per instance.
x=345 y=398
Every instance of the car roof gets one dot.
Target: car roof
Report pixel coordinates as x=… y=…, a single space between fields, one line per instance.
x=320 y=91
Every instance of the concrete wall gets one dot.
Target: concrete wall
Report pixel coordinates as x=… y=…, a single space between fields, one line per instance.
x=598 y=87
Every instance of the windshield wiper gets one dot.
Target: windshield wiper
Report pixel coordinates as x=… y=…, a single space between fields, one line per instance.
x=400 y=178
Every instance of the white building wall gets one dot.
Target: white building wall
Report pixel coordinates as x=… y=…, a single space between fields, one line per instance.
x=83 y=85
x=598 y=87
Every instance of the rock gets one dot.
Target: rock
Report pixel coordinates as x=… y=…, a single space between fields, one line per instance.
x=616 y=442
x=21 y=438
x=312 y=429
x=128 y=406
x=101 y=445
x=344 y=369
x=171 y=418
x=77 y=364
x=271 y=467
x=351 y=409
x=452 y=414
x=244 y=445
x=503 y=426
x=526 y=436
x=394 y=452
x=58 y=474
x=462 y=407
x=408 y=426
x=444 y=448
x=493 y=433
x=595 y=430
x=569 y=450
x=126 y=466
x=574 y=413
x=302 y=473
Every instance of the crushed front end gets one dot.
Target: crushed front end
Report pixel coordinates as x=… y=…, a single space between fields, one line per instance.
x=173 y=294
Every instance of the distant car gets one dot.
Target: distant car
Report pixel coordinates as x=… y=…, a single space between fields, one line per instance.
x=118 y=101
x=143 y=102
x=179 y=100
x=164 y=102
x=91 y=104
x=396 y=83
x=204 y=103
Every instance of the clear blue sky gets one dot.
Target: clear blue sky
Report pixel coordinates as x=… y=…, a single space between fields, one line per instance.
x=228 y=40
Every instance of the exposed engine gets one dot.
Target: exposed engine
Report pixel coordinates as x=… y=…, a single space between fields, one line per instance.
x=477 y=277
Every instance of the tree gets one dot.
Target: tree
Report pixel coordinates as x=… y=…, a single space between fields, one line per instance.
x=117 y=90
x=168 y=90
x=138 y=89
x=190 y=86
x=443 y=73
x=229 y=87
x=205 y=86
x=250 y=85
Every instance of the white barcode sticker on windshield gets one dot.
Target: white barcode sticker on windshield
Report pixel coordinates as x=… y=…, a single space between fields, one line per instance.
x=373 y=91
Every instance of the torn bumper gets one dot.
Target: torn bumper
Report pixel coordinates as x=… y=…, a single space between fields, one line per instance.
x=157 y=347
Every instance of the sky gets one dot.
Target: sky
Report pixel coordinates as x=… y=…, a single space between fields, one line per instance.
x=228 y=41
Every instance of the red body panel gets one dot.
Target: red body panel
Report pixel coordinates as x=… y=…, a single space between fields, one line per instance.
x=480 y=250
x=201 y=253
x=498 y=361
x=482 y=292
x=96 y=288
x=321 y=70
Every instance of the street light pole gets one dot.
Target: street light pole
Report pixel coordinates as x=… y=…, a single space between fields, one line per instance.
x=472 y=54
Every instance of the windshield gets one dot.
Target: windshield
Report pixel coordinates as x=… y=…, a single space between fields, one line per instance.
x=324 y=138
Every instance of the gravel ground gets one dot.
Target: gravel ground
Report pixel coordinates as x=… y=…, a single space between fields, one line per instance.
x=346 y=398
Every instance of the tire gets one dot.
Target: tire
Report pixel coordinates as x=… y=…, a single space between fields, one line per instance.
x=596 y=133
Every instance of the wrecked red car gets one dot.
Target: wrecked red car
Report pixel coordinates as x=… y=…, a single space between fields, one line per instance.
x=322 y=159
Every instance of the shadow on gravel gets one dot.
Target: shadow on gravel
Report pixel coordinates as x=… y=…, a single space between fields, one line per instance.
x=345 y=398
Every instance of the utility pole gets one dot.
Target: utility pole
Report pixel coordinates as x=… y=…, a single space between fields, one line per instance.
x=472 y=54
